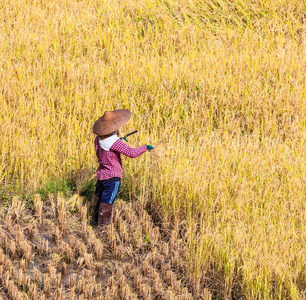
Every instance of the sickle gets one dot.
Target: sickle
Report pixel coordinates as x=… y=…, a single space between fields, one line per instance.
x=135 y=131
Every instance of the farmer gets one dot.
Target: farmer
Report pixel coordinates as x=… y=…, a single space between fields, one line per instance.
x=109 y=173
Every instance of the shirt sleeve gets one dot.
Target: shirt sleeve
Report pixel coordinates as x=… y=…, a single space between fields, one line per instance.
x=126 y=150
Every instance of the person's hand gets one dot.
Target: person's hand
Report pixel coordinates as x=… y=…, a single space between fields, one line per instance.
x=123 y=138
x=149 y=147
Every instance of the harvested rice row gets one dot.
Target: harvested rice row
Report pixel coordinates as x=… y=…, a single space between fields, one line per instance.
x=130 y=260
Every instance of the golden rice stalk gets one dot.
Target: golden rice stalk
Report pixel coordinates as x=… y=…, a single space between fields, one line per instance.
x=77 y=247
x=176 y=285
x=8 y=222
x=113 y=242
x=62 y=216
x=126 y=291
x=122 y=281
x=114 y=292
x=38 y=207
x=47 y=284
x=72 y=292
x=121 y=205
x=79 y=263
x=176 y=260
x=62 y=213
x=26 y=250
x=174 y=239
x=53 y=274
x=15 y=209
x=120 y=276
x=58 y=279
x=145 y=291
x=169 y=276
x=123 y=231
x=73 y=201
x=22 y=264
x=81 y=285
x=170 y=295
x=71 y=240
x=154 y=236
x=55 y=259
x=186 y=294
x=33 y=291
x=98 y=249
x=30 y=229
x=51 y=200
x=27 y=282
x=89 y=290
x=157 y=285
x=206 y=295
x=88 y=260
x=99 y=268
x=118 y=253
x=111 y=281
x=20 y=277
x=1 y=273
x=3 y=238
x=12 y=290
x=56 y=234
x=36 y=275
x=80 y=204
x=60 y=202
x=133 y=296
x=98 y=290
x=44 y=296
x=137 y=280
x=83 y=212
x=12 y=248
x=19 y=236
x=64 y=268
x=128 y=268
x=7 y=277
x=9 y=266
x=59 y=293
x=72 y=281
x=165 y=249
x=82 y=249
x=68 y=252
x=91 y=234
x=84 y=224
x=107 y=294
x=88 y=275
x=43 y=246
x=146 y=220
x=138 y=239
x=145 y=268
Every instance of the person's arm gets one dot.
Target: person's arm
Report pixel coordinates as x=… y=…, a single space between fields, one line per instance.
x=126 y=150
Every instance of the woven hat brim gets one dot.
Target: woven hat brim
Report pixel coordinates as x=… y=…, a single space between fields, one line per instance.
x=111 y=121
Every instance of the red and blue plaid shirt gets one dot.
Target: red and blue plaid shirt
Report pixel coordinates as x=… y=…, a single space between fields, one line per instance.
x=110 y=164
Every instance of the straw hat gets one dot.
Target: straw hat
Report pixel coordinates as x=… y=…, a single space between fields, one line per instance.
x=111 y=121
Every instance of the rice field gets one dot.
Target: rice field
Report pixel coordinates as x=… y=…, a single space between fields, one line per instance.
x=217 y=87
x=49 y=251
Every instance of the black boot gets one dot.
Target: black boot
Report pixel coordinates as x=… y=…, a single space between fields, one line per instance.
x=105 y=215
x=95 y=210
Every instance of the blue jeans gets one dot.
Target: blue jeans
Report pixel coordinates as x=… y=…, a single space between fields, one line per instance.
x=107 y=191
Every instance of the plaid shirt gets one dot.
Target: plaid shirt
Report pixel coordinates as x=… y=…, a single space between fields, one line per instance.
x=110 y=161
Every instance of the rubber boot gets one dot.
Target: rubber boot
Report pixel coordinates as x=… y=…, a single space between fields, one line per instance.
x=105 y=215
x=95 y=209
